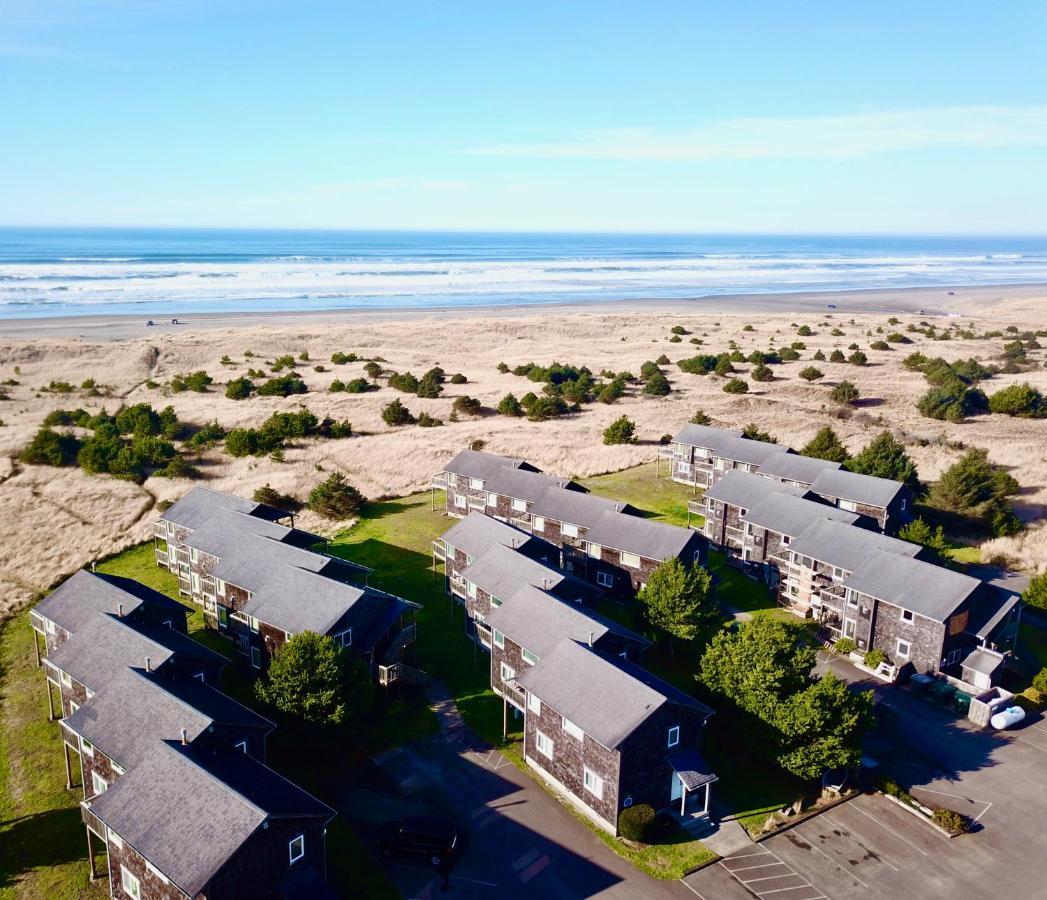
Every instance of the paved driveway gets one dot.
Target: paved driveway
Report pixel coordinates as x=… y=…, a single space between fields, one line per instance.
x=870 y=848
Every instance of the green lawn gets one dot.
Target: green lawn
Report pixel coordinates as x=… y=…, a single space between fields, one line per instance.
x=658 y=497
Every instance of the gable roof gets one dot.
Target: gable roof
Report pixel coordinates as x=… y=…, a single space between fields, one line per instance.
x=746 y=489
x=128 y=715
x=526 y=485
x=477 y=464
x=501 y=572
x=198 y=506
x=845 y=546
x=924 y=588
x=794 y=467
x=538 y=621
x=867 y=489
x=85 y=594
x=993 y=605
x=477 y=533
x=575 y=507
x=187 y=812
x=644 y=537
x=705 y=436
x=606 y=696
x=747 y=450
x=106 y=644
x=790 y=514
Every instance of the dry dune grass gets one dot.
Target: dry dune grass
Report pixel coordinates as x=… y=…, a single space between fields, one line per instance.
x=53 y=521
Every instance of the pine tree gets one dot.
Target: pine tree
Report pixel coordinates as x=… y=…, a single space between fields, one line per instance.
x=827 y=445
x=884 y=457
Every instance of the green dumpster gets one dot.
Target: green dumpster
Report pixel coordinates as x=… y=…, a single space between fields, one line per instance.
x=963 y=703
x=943 y=692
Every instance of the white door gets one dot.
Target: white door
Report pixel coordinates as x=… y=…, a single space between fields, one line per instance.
x=677 y=789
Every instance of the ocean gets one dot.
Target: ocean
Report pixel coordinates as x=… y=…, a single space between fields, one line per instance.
x=167 y=272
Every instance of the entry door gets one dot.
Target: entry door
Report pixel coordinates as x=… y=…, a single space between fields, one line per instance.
x=677 y=789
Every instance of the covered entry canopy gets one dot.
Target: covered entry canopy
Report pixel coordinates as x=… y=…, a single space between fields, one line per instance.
x=692 y=769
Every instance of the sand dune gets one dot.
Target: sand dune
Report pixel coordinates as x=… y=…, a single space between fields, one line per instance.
x=54 y=521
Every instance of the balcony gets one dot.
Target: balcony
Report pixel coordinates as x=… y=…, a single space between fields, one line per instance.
x=439 y=550
x=162 y=558
x=483 y=634
x=160 y=530
x=665 y=451
x=458 y=587
x=696 y=507
x=439 y=482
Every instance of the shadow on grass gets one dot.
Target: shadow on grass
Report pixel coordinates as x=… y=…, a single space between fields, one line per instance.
x=40 y=841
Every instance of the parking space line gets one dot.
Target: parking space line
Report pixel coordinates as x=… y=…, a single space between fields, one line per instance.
x=879 y=853
x=772 y=878
x=791 y=873
x=748 y=868
x=986 y=803
x=691 y=889
x=779 y=890
x=890 y=830
x=838 y=866
x=760 y=852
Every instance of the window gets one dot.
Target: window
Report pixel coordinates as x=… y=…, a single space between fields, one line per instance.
x=470 y=589
x=534 y=704
x=252 y=623
x=529 y=657
x=87 y=748
x=849 y=505
x=539 y=523
x=785 y=540
x=459 y=500
x=297 y=848
x=852 y=597
x=130 y=884
x=837 y=572
x=115 y=839
x=193 y=555
x=683 y=468
x=519 y=505
x=568 y=530
x=904 y=502
x=344 y=638
x=256 y=657
x=907 y=615
x=66 y=680
x=572 y=729
x=499 y=638
x=219 y=587
x=194 y=582
x=492 y=499
x=593 y=782
x=604 y=579
x=98 y=784
x=223 y=616
x=508 y=673
x=594 y=550
x=849 y=628
x=904 y=648
x=631 y=560
x=674 y=735
x=545 y=746
x=241 y=746
x=120 y=770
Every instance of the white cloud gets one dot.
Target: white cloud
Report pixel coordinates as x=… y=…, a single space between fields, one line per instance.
x=804 y=137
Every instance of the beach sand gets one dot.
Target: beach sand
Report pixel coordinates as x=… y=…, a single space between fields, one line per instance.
x=54 y=521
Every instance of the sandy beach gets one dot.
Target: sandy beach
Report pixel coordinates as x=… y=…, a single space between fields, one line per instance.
x=53 y=521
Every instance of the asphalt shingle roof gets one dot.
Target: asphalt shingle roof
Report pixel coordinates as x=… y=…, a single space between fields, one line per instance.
x=865 y=489
x=477 y=464
x=188 y=812
x=790 y=514
x=501 y=572
x=83 y=595
x=644 y=537
x=477 y=533
x=198 y=506
x=538 y=621
x=607 y=697
x=747 y=450
x=845 y=546
x=793 y=467
x=126 y=717
x=575 y=507
x=746 y=489
x=923 y=588
x=529 y=486
x=705 y=436
x=106 y=644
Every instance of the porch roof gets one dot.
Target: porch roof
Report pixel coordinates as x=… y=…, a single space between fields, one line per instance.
x=692 y=768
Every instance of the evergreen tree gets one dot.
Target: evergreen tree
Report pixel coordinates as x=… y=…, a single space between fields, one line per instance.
x=335 y=498
x=621 y=431
x=884 y=457
x=678 y=600
x=826 y=445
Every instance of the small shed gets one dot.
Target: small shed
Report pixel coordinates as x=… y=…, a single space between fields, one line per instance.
x=982 y=667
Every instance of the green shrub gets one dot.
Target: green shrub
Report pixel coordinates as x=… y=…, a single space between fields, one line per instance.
x=459 y=378
x=951 y=821
x=194 y=381
x=700 y=418
x=1018 y=400
x=49 y=448
x=510 y=406
x=427 y=421
x=1039 y=681
x=282 y=386
x=952 y=402
x=736 y=386
x=207 y=436
x=879 y=345
x=404 y=381
x=837 y=356
x=239 y=389
x=272 y=497
x=1036 y=593
x=340 y=359
x=857 y=358
x=844 y=393
x=811 y=373
x=621 y=431
x=541 y=408
x=396 y=413
x=372 y=369
x=844 y=646
x=804 y=331
x=635 y=822
x=469 y=406
x=761 y=373
x=335 y=498
x=287 y=361
x=874 y=658
x=657 y=385
x=359 y=386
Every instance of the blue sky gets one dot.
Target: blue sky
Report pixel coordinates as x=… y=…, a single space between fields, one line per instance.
x=657 y=116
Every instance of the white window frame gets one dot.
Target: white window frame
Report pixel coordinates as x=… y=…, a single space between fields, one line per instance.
x=568 y=530
x=460 y=501
x=604 y=579
x=66 y=679
x=477 y=484
x=114 y=838
x=97 y=780
x=130 y=883
x=908 y=649
x=49 y=626
x=519 y=505
x=73 y=707
x=507 y=672
x=594 y=550
x=498 y=638
x=850 y=628
x=256 y=652
x=593 y=783
x=538 y=524
x=300 y=840
x=674 y=736
x=630 y=560
x=848 y=505
x=492 y=499
x=241 y=745
x=534 y=704
x=908 y=615
x=470 y=589
x=572 y=729
x=344 y=638
x=528 y=657
x=544 y=744
x=87 y=748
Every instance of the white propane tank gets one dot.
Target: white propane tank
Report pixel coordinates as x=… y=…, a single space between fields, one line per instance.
x=1012 y=715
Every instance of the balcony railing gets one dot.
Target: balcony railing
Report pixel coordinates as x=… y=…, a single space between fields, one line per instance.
x=162 y=558
x=439 y=482
x=696 y=506
x=439 y=550
x=458 y=587
x=665 y=451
